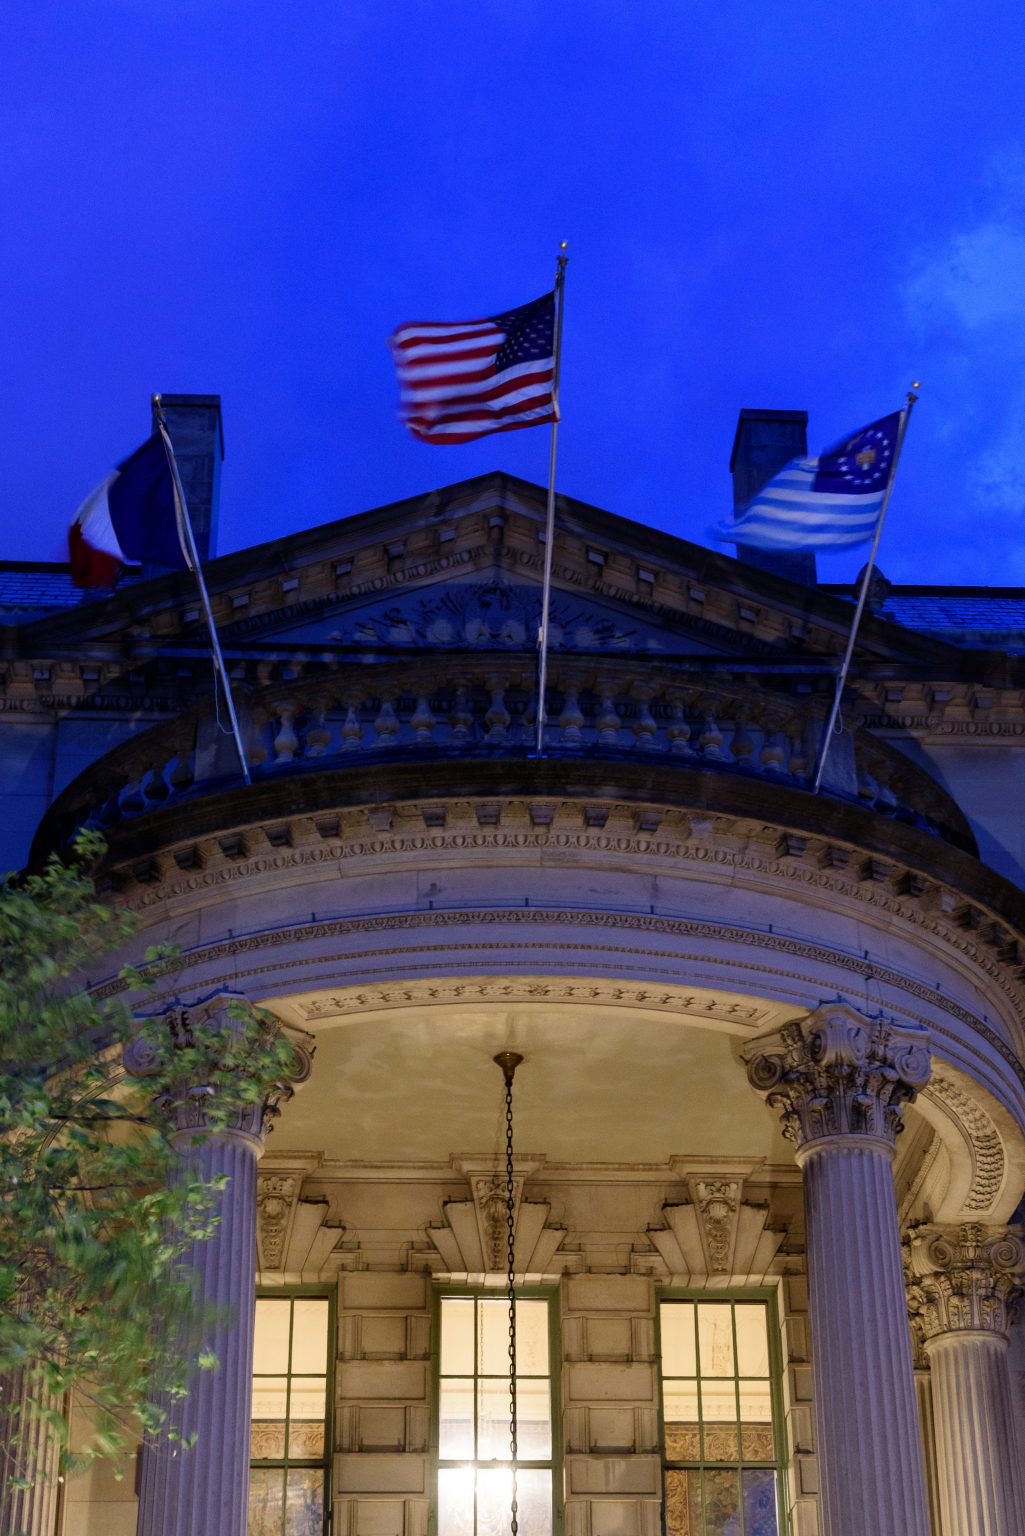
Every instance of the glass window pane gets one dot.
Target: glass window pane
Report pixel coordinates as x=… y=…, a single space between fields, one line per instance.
x=683 y=1504
x=534 y=1496
x=531 y=1338
x=457 y=1336
x=270 y=1397
x=455 y=1501
x=309 y=1336
x=493 y=1419
x=304 y=1515
x=680 y=1410
x=722 y=1503
x=719 y=1402
x=533 y=1419
x=677 y=1327
x=760 y=1502
x=715 y=1338
x=455 y=1428
x=756 y=1402
x=270 y=1344
x=752 y=1339
x=493 y=1352
x=309 y=1397
x=266 y=1500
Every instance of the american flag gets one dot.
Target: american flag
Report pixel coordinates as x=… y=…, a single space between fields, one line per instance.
x=463 y=379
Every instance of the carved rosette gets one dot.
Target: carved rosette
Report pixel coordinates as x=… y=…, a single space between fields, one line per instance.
x=188 y=1112
x=965 y=1277
x=837 y=1074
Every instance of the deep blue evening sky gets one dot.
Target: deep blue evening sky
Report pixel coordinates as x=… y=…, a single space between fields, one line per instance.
x=800 y=205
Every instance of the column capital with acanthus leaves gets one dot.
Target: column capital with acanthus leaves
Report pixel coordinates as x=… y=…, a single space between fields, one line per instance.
x=963 y=1277
x=220 y=1100
x=836 y=1074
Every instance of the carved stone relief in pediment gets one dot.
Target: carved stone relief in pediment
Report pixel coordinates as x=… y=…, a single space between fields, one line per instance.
x=713 y=1233
x=473 y=1238
x=493 y=613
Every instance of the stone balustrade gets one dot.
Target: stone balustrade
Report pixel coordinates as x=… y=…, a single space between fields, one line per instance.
x=444 y=707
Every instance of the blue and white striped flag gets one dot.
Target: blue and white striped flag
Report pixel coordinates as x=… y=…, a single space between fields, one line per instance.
x=832 y=502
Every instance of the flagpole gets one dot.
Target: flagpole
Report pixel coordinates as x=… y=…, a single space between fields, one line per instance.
x=191 y=554
x=827 y=735
x=546 y=588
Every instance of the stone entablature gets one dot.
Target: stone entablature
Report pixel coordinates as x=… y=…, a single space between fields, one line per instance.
x=964 y=1277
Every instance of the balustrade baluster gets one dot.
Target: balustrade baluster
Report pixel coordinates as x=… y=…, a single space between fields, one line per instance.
x=286 y=742
x=387 y=723
x=742 y=746
x=352 y=730
x=798 y=763
x=710 y=739
x=157 y=787
x=607 y=722
x=318 y=735
x=678 y=729
x=644 y=723
x=423 y=722
x=131 y=798
x=460 y=719
x=773 y=752
x=497 y=718
x=571 y=721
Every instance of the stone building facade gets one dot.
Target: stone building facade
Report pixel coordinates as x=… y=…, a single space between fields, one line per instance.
x=770 y=1122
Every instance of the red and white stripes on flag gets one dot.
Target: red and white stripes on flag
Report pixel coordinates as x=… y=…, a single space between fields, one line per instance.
x=460 y=380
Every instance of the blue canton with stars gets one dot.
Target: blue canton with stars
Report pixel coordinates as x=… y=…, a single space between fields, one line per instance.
x=530 y=333
x=860 y=464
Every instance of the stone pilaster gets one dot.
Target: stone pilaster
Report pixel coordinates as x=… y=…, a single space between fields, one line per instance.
x=963 y=1287
x=205 y=1488
x=28 y=1451
x=840 y=1083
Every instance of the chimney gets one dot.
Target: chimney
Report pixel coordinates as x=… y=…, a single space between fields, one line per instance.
x=765 y=441
x=197 y=436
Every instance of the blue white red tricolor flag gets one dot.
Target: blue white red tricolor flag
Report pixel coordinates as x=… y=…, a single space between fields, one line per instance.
x=462 y=379
x=832 y=502
x=131 y=517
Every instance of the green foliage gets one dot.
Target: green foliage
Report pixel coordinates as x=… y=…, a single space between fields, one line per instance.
x=97 y=1207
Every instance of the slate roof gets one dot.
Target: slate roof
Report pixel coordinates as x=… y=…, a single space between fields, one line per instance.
x=31 y=588
x=974 y=617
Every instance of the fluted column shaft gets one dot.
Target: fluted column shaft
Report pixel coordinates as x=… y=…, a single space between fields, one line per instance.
x=978 y=1459
x=963 y=1290
x=927 y=1427
x=205 y=1489
x=866 y=1418
x=840 y=1083
x=28 y=1449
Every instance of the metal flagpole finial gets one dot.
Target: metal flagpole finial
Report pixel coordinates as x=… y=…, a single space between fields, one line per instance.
x=508 y=1061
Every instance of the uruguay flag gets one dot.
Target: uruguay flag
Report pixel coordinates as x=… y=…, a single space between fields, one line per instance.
x=130 y=518
x=832 y=502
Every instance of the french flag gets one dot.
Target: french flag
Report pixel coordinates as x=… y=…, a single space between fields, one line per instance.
x=132 y=517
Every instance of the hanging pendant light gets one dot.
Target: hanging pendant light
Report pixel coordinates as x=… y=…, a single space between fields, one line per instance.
x=508 y=1061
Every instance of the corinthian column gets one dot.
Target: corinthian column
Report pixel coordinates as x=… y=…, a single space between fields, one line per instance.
x=963 y=1284
x=28 y=1453
x=840 y=1083
x=186 y=1489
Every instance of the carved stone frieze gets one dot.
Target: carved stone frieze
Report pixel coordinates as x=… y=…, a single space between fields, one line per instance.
x=839 y=1074
x=964 y=1277
x=987 y=1149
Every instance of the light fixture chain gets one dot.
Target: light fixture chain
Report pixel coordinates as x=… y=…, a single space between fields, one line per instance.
x=510 y=1221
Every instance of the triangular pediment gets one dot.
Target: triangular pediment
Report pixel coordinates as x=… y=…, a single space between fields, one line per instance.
x=461 y=568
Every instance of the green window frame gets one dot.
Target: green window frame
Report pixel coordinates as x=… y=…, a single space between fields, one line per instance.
x=469 y=1435
x=722 y=1432
x=293 y=1399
